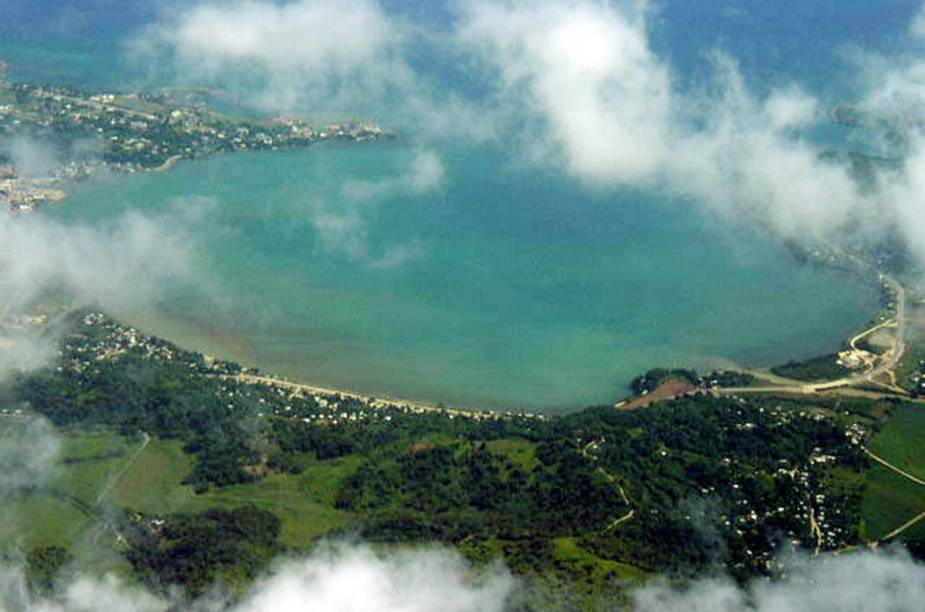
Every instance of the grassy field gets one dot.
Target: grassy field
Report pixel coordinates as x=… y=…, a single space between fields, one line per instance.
x=596 y=569
x=889 y=501
x=521 y=452
x=152 y=484
x=901 y=440
x=97 y=471
x=818 y=368
x=88 y=462
x=63 y=509
x=304 y=502
x=41 y=520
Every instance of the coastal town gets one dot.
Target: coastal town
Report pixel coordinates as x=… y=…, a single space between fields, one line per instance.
x=79 y=133
x=789 y=494
x=102 y=339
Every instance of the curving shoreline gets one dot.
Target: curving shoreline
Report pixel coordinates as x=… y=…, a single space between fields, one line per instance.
x=168 y=165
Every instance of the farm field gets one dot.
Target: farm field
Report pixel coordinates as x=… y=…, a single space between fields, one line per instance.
x=889 y=501
x=95 y=472
x=900 y=442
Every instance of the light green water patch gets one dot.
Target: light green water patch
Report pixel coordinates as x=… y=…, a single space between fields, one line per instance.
x=516 y=288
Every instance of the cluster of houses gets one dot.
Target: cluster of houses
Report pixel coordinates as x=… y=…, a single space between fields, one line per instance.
x=138 y=132
x=272 y=396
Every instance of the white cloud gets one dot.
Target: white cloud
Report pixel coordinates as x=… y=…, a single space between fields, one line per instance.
x=29 y=449
x=313 y=56
x=745 y=155
x=32 y=158
x=355 y=578
x=83 y=594
x=427 y=172
x=423 y=174
x=317 y=52
x=341 y=221
x=572 y=84
x=86 y=594
x=860 y=582
x=129 y=261
x=584 y=90
x=358 y=579
x=791 y=109
x=132 y=261
x=906 y=196
x=342 y=232
x=917 y=27
x=336 y=579
x=583 y=74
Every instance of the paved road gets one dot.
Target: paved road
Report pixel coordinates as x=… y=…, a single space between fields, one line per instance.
x=888 y=363
x=890 y=359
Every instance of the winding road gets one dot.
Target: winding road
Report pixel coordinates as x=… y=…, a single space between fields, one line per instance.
x=847 y=385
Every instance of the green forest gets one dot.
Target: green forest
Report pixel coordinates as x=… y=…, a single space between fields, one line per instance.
x=215 y=477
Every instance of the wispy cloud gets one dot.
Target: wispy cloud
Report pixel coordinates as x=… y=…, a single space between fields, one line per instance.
x=342 y=220
x=337 y=578
x=604 y=104
x=132 y=261
x=348 y=578
x=357 y=579
x=593 y=98
x=30 y=157
x=29 y=449
x=83 y=594
x=582 y=79
x=862 y=581
x=313 y=56
x=316 y=53
x=574 y=85
x=127 y=261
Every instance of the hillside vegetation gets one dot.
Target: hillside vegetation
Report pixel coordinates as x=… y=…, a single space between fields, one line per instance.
x=183 y=474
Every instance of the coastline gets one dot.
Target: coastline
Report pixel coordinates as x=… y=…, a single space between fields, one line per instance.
x=191 y=335
x=289 y=368
x=377 y=401
x=213 y=344
x=298 y=384
x=168 y=165
x=615 y=386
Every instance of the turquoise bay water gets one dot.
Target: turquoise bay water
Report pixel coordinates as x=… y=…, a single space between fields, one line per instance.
x=525 y=290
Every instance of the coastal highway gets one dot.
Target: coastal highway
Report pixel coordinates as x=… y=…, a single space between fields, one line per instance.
x=887 y=366
x=890 y=359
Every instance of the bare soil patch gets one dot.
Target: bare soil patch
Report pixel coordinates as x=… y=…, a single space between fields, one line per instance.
x=669 y=390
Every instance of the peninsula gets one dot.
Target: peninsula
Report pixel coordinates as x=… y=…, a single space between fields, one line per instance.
x=134 y=132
